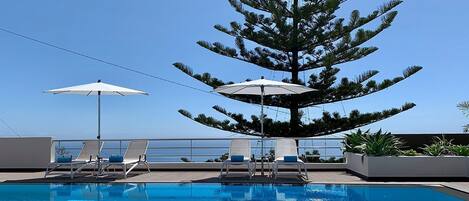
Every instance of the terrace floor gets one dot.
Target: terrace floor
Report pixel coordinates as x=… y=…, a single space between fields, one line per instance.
x=323 y=177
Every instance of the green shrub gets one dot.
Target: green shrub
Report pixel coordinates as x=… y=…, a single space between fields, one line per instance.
x=354 y=141
x=381 y=144
x=440 y=146
x=222 y=158
x=433 y=150
x=333 y=160
x=372 y=144
x=459 y=150
x=186 y=160
x=409 y=152
x=445 y=143
x=311 y=157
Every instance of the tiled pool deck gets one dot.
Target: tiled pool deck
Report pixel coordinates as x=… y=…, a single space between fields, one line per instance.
x=330 y=177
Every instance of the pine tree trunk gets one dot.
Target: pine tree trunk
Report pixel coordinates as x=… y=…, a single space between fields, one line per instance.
x=294 y=110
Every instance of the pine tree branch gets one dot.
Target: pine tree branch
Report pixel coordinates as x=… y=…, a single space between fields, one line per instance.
x=254 y=19
x=205 y=78
x=314 y=8
x=326 y=41
x=347 y=49
x=326 y=125
x=338 y=31
x=265 y=35
x=269 y=31
x=268 y=5
x=278 y=39
x=222 y=125
x=237 y=117
x=330 y=93
x=347 y=90
x=327 y=93
x=259 y=56
x=365 y=76
x=333 y=124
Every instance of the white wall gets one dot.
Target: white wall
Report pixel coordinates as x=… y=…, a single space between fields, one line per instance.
x=25 y=152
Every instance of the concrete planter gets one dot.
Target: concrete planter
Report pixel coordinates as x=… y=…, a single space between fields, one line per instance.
x=408 y=166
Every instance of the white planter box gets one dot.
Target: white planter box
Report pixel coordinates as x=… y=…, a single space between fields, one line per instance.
x=408 y=166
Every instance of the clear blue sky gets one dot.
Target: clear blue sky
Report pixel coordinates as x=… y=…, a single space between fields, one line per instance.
x=151 y=35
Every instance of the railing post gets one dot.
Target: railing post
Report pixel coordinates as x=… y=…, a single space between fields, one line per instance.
x=56 y=148
x=325 y=148
x=312 y=147
x=120 y=147
x=191 y=149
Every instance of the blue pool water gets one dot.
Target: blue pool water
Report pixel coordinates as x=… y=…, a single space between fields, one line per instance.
x=215 y=192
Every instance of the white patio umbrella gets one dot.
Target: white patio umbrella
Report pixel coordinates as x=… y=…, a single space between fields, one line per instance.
x=263 y=88
x=97 y=89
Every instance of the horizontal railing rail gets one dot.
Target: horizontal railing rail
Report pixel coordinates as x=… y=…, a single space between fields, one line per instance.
x=208 y=139
x=318 y=149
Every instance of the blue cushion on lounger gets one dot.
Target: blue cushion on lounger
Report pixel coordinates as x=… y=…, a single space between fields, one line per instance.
x=290 y=158
x=116 y=158
x=237 y=158
x=64 y=159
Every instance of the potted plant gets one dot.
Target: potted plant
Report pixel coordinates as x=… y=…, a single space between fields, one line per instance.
x=380 y=155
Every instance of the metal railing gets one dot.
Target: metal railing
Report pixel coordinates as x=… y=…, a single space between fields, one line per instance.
x=319 y=149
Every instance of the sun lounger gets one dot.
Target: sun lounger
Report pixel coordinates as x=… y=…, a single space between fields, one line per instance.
x=286 y=154
x=239 y=154
x=86 y=157
x=134 y=156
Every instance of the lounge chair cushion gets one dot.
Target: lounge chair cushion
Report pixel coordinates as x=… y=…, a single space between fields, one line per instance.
x=237 y=158
x=290 y=158
x=116 y=158
x=64 y=159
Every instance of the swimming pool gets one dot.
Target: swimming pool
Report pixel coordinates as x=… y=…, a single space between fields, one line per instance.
x=215 y=192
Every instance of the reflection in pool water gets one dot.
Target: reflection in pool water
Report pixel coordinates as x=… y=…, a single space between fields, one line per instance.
x=214 y=192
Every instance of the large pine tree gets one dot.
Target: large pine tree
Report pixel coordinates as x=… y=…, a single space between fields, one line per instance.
x=296 y=36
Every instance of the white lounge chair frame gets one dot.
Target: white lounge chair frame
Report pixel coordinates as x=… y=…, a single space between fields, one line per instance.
x=87 y=156
x=239 y=147
x=134 y=156
x=287 y=147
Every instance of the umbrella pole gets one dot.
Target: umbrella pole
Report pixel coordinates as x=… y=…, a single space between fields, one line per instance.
x=262 y=130
x=99 y=134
